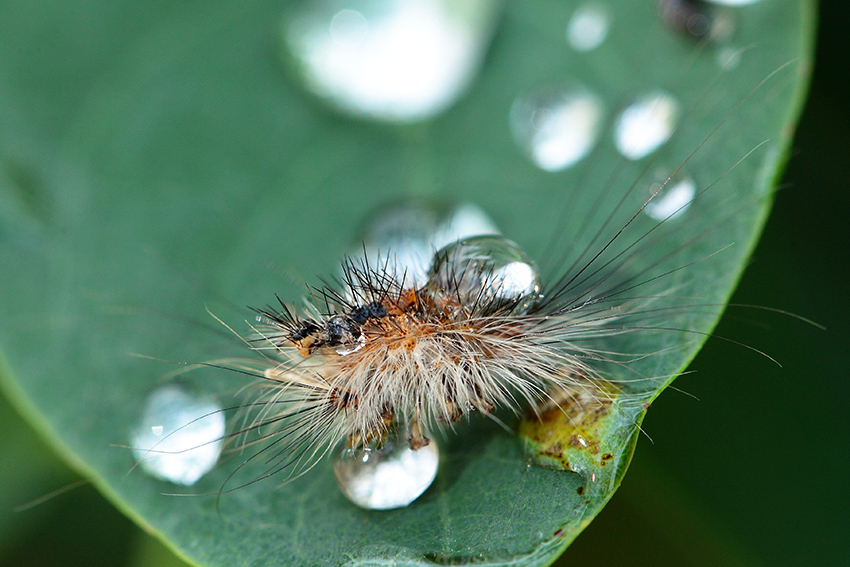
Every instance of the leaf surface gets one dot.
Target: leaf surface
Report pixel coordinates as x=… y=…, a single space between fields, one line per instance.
x=158 y=158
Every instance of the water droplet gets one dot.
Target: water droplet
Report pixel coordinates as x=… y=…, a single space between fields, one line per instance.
x=646 y=124
x=179 y=436
x=346 y=349
x=486 y=271
x=402 y=239
x=588 y=27
x=395 y=60
x=672 y=198
x=386 y=477
x=556 y=127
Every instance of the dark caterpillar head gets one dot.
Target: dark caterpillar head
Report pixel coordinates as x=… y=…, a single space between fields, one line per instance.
x=363 y=313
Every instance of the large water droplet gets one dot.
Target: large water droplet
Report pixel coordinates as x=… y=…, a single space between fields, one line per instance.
x=386 y=477
x=395 y=60
x=588 y=27
x=556 y=128
x=672 y=198
x=646 y=124
x=402 y=239
x=486 y=272
x=179 y=436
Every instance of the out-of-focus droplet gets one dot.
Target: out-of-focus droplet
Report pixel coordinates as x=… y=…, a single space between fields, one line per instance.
x=179 y=435
x=388 y=476
x=671 y=197
x=463 y=221
x=588 y=27
x=556 y=128
x=646 y=124
x=401 y=240
x=390 y=60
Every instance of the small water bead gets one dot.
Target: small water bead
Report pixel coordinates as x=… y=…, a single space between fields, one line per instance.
x=395 y=60
x=671 y=200
x=556 y=128
x=388 y=476
x=179 y=436
x=486 y=270
x=402 y=239
x=588 y=27
x=646 y=124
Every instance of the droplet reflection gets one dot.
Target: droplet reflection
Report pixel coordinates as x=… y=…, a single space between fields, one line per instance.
x=394 y=60
x=386 y=477
x=179 y=436
x=646 y=124
x=557 y=128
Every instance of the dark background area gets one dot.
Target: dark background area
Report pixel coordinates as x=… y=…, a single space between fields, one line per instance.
x=750 y=468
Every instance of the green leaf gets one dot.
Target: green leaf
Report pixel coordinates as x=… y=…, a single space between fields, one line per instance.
x=156 y=158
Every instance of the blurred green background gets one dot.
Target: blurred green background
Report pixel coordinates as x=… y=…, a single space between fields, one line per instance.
x=751 y=472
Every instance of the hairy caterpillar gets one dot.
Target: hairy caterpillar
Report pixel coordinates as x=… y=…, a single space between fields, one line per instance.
x=481 y=333
x=301 y=237
x=384 y=350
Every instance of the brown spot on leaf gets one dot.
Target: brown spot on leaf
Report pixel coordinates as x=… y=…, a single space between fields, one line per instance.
x=554 y=450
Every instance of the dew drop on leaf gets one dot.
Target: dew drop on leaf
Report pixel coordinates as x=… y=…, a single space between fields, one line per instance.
x=179 y=435
x=386 y=477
